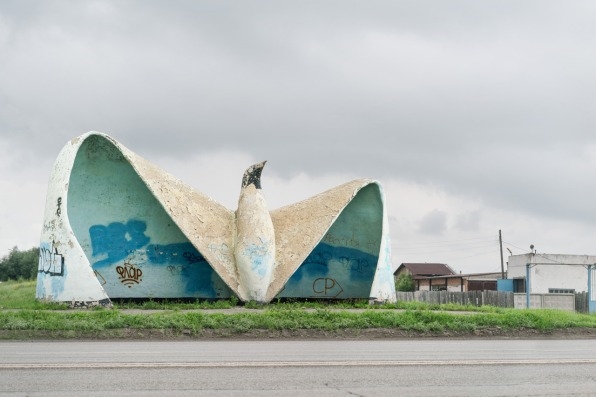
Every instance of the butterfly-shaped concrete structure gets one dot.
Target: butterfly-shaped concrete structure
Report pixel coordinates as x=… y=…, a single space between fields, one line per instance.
x=117 y=226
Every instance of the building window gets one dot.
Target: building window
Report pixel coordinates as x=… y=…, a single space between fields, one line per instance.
x=561 y=291
x=439 y=288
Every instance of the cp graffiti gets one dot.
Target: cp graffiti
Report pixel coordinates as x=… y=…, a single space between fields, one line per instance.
x=327 y=287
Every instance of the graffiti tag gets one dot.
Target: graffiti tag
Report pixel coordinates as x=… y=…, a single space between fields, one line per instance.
x=342 y=241
x=357 y=265
x=327 y=286
x=59 y=205
x=192 y=257
x=129 y=274
x=50 y=260
x=174 y=253
x=320 y=257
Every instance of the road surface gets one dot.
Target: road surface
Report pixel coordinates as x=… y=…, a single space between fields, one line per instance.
x=299 y=368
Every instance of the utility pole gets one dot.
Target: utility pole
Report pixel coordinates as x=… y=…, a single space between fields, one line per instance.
x=502 y=265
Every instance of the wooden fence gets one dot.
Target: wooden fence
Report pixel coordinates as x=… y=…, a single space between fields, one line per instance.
x=475 y=298
x=581 y=302
x=478 y=298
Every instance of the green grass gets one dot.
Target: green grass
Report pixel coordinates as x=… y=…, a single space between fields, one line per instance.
x=284 y=319
x=27 y=316
x=21 y=295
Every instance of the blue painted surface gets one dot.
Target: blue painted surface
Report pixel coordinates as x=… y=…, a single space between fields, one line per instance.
x=117 y=239
x=333 y=272
x=153 y=270
x=178 y=253
x=134 y=247
x=343 y=264
x=505 y=285
x=260 y=258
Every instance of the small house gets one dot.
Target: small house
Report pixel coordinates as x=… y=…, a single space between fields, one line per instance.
x=440 y=277
x=423 y=275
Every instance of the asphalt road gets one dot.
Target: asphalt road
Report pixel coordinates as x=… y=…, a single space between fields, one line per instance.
x=299 y=368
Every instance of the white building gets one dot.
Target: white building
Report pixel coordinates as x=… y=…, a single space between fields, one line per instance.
x=550 y=273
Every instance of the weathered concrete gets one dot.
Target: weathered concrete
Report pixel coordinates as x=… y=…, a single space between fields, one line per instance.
x=116 y=226
x=255 y=242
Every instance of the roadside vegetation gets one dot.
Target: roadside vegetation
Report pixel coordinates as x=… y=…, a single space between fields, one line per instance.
x=19 y=265
x=22 y=317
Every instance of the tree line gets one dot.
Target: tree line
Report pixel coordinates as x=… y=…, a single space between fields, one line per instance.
x=19 y=265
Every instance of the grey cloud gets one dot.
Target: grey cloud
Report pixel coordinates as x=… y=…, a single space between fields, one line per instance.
x=469 y=221
x=434 y=222
x=490 y=99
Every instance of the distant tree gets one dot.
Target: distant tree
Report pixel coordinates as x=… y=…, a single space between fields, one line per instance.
x=405 y=282
x=19 y=264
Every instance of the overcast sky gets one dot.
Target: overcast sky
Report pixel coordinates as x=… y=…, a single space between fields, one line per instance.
x=476 y=116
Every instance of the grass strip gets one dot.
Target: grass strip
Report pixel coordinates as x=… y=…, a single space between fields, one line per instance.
x=328 y=320
x=21 y=315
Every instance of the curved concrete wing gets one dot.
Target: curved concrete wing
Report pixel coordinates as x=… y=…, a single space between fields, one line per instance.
x=122 y=228
x=334 y=245
x=116 y=226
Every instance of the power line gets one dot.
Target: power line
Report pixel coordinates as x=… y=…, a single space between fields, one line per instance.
x=449 y=241
x=513 y=245
x=471 y=256
x=422 y=250
x=452 y=250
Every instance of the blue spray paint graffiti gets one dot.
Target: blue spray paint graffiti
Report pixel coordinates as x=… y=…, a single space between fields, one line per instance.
x=182 y=261
x=117 y=239
x=327 y=268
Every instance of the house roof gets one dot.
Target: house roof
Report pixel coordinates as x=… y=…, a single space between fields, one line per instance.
x=472 y=276
x=426 y=269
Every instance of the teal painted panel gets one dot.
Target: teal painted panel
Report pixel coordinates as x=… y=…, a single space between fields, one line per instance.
x=505 y=285
x=343 y=264
x=134 y=247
